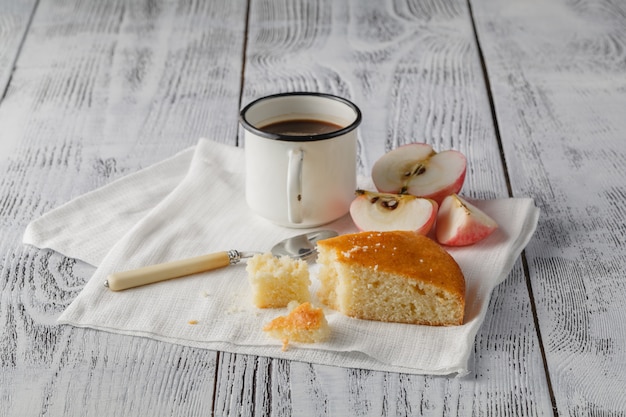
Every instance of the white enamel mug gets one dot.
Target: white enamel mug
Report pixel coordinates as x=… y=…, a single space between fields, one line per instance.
x=298 y=179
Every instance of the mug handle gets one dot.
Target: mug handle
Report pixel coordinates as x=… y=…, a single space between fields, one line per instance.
x=294 y=186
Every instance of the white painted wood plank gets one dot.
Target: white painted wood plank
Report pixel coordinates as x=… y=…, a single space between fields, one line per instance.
x=76 y=131
x=557 y=70
x=414 y=71
x=14 y=20
x=102 y=89
x=14 y=23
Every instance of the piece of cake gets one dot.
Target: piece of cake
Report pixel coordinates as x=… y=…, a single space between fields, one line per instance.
x=277 y=281
x=304 y=324
x=396 y=276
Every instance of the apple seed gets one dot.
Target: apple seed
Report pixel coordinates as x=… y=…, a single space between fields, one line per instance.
x=418 y=170
x=384 y=200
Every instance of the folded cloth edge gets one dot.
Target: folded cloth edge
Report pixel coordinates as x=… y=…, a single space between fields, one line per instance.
x=164 y=177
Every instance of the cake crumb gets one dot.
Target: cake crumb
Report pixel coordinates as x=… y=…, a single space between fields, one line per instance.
x=305 y=324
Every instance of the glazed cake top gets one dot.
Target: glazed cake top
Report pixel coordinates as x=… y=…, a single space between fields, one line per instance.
x=403 y=253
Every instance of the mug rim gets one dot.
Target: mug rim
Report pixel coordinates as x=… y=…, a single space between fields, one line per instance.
x=300 y=138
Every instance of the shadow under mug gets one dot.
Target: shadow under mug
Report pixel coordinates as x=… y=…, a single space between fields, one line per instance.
x=300 y=178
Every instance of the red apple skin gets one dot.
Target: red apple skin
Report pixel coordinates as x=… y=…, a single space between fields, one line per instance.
x=427 y=227
x=439 y=196
x=460 y=223
x=367 y=216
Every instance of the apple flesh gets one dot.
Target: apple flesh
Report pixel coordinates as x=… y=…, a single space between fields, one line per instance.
x=418 y=170
x=460 y=223
x=373 y=211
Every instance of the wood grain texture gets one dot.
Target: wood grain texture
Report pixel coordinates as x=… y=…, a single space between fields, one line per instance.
x=557 y=72
x=100 y=90
x=14 y=24
x=414 y=69
x=97 y=90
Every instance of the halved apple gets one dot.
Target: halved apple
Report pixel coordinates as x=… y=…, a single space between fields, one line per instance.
x=418 y=170
x=373 y=211
x=460 y=223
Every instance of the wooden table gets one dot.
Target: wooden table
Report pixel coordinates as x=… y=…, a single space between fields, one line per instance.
x=533 y=92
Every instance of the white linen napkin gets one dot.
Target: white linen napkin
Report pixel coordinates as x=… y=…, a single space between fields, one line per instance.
x=193 y=203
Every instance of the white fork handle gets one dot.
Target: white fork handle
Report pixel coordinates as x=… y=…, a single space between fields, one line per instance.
x=155 y=273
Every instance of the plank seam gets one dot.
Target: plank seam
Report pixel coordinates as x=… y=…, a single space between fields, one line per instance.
x=492 y=107
x=533 y=308
x=218 y=357
x=244 y=51
x=19 y=50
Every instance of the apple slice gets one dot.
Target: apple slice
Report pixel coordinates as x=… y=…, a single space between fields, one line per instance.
x=384 y=212
x=417 y=169
x=460 y=223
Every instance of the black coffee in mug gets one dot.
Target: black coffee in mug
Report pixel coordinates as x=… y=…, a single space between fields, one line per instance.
x=301 y=152
x=301 y=127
